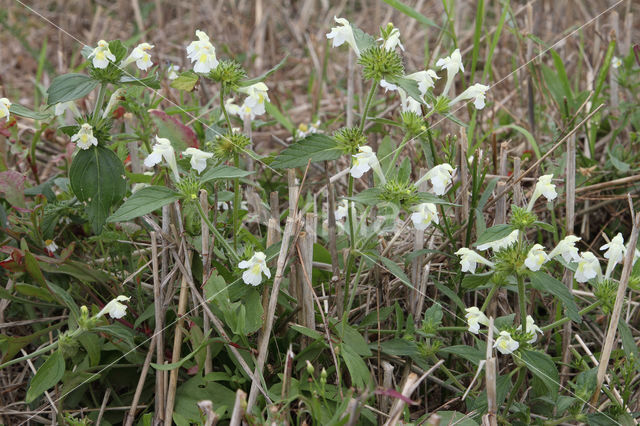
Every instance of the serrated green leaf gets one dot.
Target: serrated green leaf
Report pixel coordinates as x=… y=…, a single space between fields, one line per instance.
x=544 y=282
x=368 y=197
x=68 y=87
x=315 y=147
x=118 y=49
x=360 y=375
x=144 y=201
x=410 y=86
x=47 y=376
x=363 y=40
x=97 y=178
x=223 y=172
x=543 y=367
x=186 y=81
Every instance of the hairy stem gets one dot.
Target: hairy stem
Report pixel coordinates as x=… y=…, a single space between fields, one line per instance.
x=217 y=234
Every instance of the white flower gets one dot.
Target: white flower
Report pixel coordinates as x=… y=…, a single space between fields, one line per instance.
x=469 y=259
x=408 y=103
x=102 y=55
x=588 y=267
x=113 y=100
x=365 y=160
x=5 y=104
x=343 y=34
x=254 y=269
x=425 y=214
x=233 y=109
x=257 y=95
x=505 y=343
x=424 y=79
x=615 y=253
x=536 y=258
x=393 y=40
x=115 y=308
x=440 y=177
x=172 y=72
x=543 y=187
x=452 y=64
x=475 y=317
x=342 y=210
x=476 y=92
x=198 y=158
x=388 y=86
x=567 y=249
x=616 y=62
x=62 y=107
x=498 y=245
x=203 y=53
x=305 y=130
x=140 y=55
x=531 y=328
x=51 y=246
x=163 y=149
x=84 y=138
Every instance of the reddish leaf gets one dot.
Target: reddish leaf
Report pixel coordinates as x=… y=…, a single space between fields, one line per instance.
x=170 y=127
x=12 y=187
x=394 y=394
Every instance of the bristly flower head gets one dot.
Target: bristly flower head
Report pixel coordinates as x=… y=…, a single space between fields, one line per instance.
x=5 y=104
x=202 y=53
x=350 y=139
x=469 y=259
x=343 y=34
x=102 y=55
x=452 y=64
x=255 y=267
x=84 y=139
x=227 y=146
x=424 y=214
x=229 y=73
x=381 y=64
x=400 y=192
x=140 y=55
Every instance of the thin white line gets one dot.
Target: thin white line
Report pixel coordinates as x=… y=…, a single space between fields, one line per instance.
x=193 y=117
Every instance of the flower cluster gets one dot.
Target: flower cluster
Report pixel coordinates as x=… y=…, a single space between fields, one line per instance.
x=101 y=56
x=163 y=150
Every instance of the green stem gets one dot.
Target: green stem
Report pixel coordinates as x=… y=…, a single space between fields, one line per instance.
x=514 y=390
x=522 y=300
x=352 y=239
x=372 y=92
x=224 y=110
x=217 y=234
x=567 y=319
x=450 y=329
x=352 y=291
x=493 y=290
x=237 y=200
x=99 y=101
x=41 y=351
x=396 y=153
x=450 y=375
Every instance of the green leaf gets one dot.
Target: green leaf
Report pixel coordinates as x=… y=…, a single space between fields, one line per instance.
x=360 y=375
x=544 y=282
x=264 y=76
x=305 y=331
x=223 y=172
x=363 y=40
x=148 y=81
x=118 y=49
x=352 y=338
x=368 y=197
x=186 y=81
x=471 y=354
x=410 y=86
x=97 y=178
x=454 y=417
x=281 y=118
x=471 y=281
x=425 y=197
x=47 y=376
x=411 y=12
x=144 y=201
x=68 y=87
x=396 y=270
x=315 y=147
x=629 y=344
x=494 y=233
x=22 y=111
x=543 y=367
